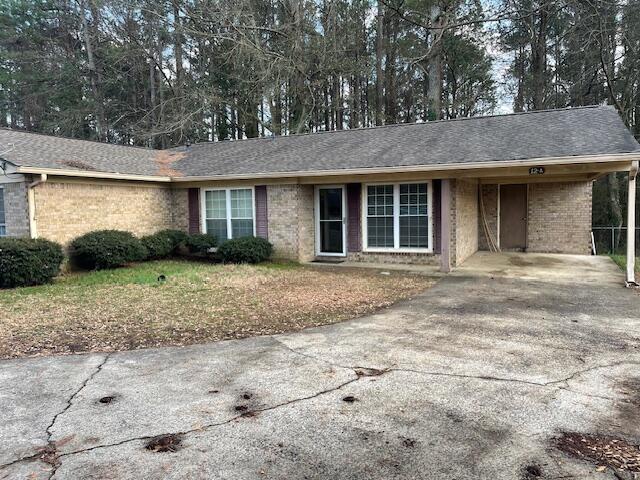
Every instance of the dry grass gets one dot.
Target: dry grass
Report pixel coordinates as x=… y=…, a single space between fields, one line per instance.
x=621 y=260
x=128 y=308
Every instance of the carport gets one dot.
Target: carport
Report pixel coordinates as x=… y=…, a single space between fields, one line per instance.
x=543 y=267
x=532 y=206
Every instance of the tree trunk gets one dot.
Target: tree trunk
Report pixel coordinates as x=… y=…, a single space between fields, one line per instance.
x=390 y=73
x=613 y=191
x=233 y=120
x=337 y=101
x=539 y=59
x=179 y=84
x=354 y=88
x=250 y=118
x=518 y=103
x=379 y=54
x=94 y=76
x=435 y=66
x=277 y=112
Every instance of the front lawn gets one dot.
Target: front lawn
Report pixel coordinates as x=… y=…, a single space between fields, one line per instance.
x=131 y=308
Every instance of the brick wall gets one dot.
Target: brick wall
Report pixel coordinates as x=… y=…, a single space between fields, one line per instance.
x=306 y=223
x=180 y=209
x=16 y=209
x=291 y=221
x=490 y=200
x=559 y=217
x=464 y=221
x=65 y=211
x=283 y=232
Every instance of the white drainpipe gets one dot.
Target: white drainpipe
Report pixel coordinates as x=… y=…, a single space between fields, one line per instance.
x=31 y=199
x=631 y=226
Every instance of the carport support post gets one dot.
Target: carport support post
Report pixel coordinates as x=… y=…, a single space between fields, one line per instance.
x=631 y=227
x=445 y=225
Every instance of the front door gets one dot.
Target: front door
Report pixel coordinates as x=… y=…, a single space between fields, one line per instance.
x=330 y=231
x=513 y=217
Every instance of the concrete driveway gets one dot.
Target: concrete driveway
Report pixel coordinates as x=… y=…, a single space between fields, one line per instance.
x=471 y=380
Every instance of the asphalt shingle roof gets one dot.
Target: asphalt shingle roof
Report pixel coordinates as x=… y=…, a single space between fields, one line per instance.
x=543 y=134
x=46 y=151
x=551 y=133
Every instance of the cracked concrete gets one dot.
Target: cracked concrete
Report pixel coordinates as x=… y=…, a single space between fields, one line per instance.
x=469 y=380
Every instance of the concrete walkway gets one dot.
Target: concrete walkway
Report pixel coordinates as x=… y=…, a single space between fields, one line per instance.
x=471 y=380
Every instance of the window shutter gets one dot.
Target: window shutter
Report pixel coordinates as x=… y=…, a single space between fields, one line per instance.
x=194 y=210
x=354 y=217
x=437 y=215
x=262 y=217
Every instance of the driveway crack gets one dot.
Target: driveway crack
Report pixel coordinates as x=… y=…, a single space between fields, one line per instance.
x=313 y=357
x=590 y=369
x=217 y=424
x=48 y=453
x=74 y=395
x=468 y=376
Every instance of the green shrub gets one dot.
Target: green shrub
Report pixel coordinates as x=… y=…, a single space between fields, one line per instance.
x=26 y=262
x=177 y=237
x=200 y=243
x=106 y=249
x=158 y=246
x=245 y=250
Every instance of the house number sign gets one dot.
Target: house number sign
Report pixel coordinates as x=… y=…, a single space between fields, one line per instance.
x=536 y=171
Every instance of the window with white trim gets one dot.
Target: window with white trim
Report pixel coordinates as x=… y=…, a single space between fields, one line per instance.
x=228 y=213
x=3 y=225
x=398 y=217
x=380 y=216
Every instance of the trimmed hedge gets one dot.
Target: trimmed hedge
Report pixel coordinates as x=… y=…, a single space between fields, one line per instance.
x=200 y=243
x=106 y=249
x=25 y=262
x=158 y=246
x=245 y=250
x=177 y=237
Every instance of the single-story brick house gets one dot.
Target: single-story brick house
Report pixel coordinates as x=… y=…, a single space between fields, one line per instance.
x=427 y=193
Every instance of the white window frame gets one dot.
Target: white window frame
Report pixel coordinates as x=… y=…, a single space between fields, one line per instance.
x=227 y=190
x=4 y=224
x=396 y=219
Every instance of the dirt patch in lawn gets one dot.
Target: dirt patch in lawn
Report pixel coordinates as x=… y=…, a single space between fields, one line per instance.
x=129 y=309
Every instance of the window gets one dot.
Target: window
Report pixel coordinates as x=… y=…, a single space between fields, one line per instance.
x=228 y=213
x=414 y=220
x=398 y=217
x=3 y=226
x=380 y=216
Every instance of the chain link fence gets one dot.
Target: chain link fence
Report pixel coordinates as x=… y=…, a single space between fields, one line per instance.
x=613 y=240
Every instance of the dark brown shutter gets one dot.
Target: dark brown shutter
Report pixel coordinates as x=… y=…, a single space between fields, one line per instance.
x=354 y=218
x=194 y=210
x=262 y=216
x=437 y=215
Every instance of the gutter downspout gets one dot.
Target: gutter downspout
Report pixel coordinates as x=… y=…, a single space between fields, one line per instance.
x=631 y=226
x=31 y=199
